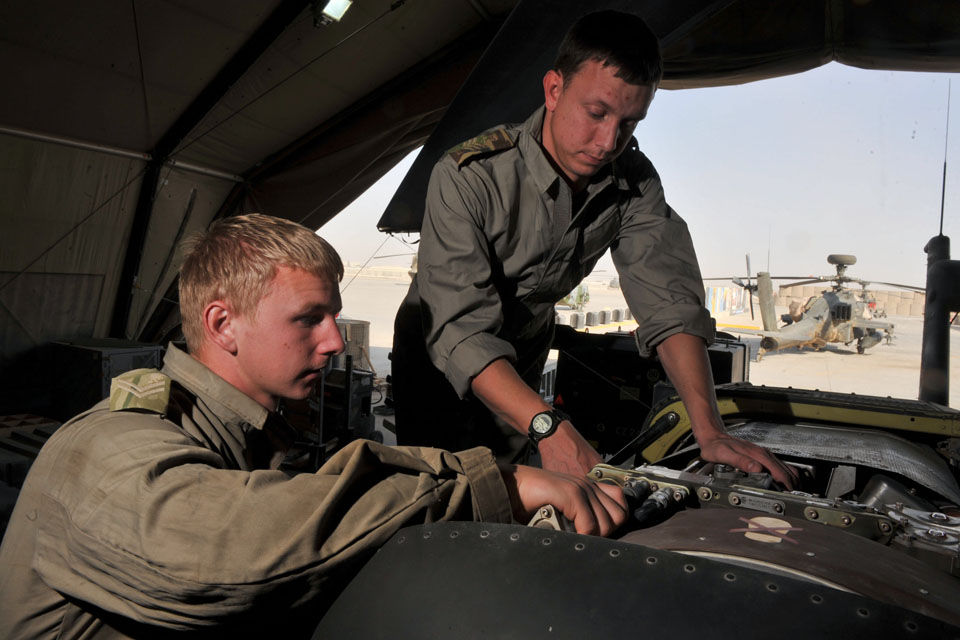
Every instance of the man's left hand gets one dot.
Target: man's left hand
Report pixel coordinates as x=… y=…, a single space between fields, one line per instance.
x=724 y=448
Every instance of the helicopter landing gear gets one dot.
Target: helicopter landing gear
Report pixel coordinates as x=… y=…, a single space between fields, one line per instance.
x=860 y=348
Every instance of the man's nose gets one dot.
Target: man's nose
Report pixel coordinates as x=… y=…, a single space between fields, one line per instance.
x=331 y=340
x=609 y=135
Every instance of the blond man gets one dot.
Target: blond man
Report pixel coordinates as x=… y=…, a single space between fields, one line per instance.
x=162 y=508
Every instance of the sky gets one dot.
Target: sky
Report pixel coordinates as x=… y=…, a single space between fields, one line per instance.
x=789 y=170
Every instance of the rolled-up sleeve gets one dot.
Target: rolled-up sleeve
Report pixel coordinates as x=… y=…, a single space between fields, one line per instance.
x=461 y=308
x=659 y=274
x=153 y=528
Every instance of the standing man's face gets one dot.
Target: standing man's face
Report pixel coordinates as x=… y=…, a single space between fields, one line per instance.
x=590 y=119
x=282 y=349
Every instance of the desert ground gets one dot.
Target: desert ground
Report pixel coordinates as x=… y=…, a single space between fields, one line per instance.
x=885 y=370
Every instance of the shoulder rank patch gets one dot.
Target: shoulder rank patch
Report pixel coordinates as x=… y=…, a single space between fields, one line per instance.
x=489 y=142
x=143 y=389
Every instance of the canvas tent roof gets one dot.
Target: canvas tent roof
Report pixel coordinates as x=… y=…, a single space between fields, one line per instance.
x=125 y=125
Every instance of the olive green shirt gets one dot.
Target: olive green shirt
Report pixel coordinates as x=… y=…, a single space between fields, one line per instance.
x=504 y=239
x=134 y=521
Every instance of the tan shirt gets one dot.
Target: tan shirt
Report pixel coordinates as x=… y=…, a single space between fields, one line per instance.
x=504 y=239
x=181 y=521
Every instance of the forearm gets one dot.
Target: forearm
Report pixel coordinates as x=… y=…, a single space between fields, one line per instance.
x=501 y=389
x=684 y=358
x=505 y=394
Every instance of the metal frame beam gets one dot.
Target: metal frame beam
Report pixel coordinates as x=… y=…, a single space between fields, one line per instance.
x=233 y=70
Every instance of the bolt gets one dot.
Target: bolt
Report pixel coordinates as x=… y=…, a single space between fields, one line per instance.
x=654 y=486
x=924 y=591
x=936 y=515
x=885 y=527
x=778 y=508
x=735 y=500
x=705 y=494
x=545 y=512
x=936 y=533
x=598 y=473
x=811 y=513
x=673 y=418
x=846 y=520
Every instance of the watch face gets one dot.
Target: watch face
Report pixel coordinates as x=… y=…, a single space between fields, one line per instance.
x=542 y=424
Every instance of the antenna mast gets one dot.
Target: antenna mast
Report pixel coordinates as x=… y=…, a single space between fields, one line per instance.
x=946 y=140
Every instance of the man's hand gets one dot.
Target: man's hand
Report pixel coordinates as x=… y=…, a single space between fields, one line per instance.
x=595 y=509
x=684 y=357
x=724 y=448
x=566 y=451
x=503 y=392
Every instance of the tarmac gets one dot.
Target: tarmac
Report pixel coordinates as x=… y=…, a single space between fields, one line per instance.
x=885 y=370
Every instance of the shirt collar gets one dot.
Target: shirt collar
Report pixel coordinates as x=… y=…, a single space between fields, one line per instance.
x=542 y=171
x=234 y=406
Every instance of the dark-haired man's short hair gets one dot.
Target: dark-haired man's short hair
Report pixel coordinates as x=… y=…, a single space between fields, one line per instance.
x=615 y=38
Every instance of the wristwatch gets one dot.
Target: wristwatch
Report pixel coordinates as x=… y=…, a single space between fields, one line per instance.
x=545 y=424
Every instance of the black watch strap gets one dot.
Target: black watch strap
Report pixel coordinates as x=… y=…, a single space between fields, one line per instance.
x=545 y=424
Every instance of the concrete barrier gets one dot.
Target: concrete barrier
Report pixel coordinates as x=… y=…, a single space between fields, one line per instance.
x=616 y=315
x=592 y=318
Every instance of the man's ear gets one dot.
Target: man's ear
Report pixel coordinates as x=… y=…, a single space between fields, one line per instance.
x=552 y=88
x=218 y=325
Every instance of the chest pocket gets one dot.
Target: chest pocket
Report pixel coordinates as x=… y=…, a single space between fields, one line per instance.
x=598 y=235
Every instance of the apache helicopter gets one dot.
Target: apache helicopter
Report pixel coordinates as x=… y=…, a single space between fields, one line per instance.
x=838 y=314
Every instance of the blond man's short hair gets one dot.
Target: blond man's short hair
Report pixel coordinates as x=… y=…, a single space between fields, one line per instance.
x=236 y=259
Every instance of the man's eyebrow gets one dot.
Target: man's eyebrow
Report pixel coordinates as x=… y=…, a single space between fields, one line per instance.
x=600 y=102
x=319 y=307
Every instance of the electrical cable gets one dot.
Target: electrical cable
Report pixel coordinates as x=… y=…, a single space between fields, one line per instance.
x=346 y=286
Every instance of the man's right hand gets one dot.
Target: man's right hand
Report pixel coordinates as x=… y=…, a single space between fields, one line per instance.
x=566 y=451
x=595 y=509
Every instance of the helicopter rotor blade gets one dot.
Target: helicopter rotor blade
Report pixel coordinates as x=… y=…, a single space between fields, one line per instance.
x=802 y=282
x=748 y=270
x=819 y=278
x=750 y=294
x=899 y=286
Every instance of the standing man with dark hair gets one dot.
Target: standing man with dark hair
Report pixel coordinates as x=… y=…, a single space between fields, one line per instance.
x=162 y=508
x=514 y=220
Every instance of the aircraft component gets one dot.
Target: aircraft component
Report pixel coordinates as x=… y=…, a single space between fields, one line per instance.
x=877 y=450
x=548 y=517
x=842 y=259
x=943 y=298
x=765 y=290
x=750 y=492
x=785 y=545
x=919 y=537
x=747 y=401
x=473 y=579
x=883 y=490
x=932 y=536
